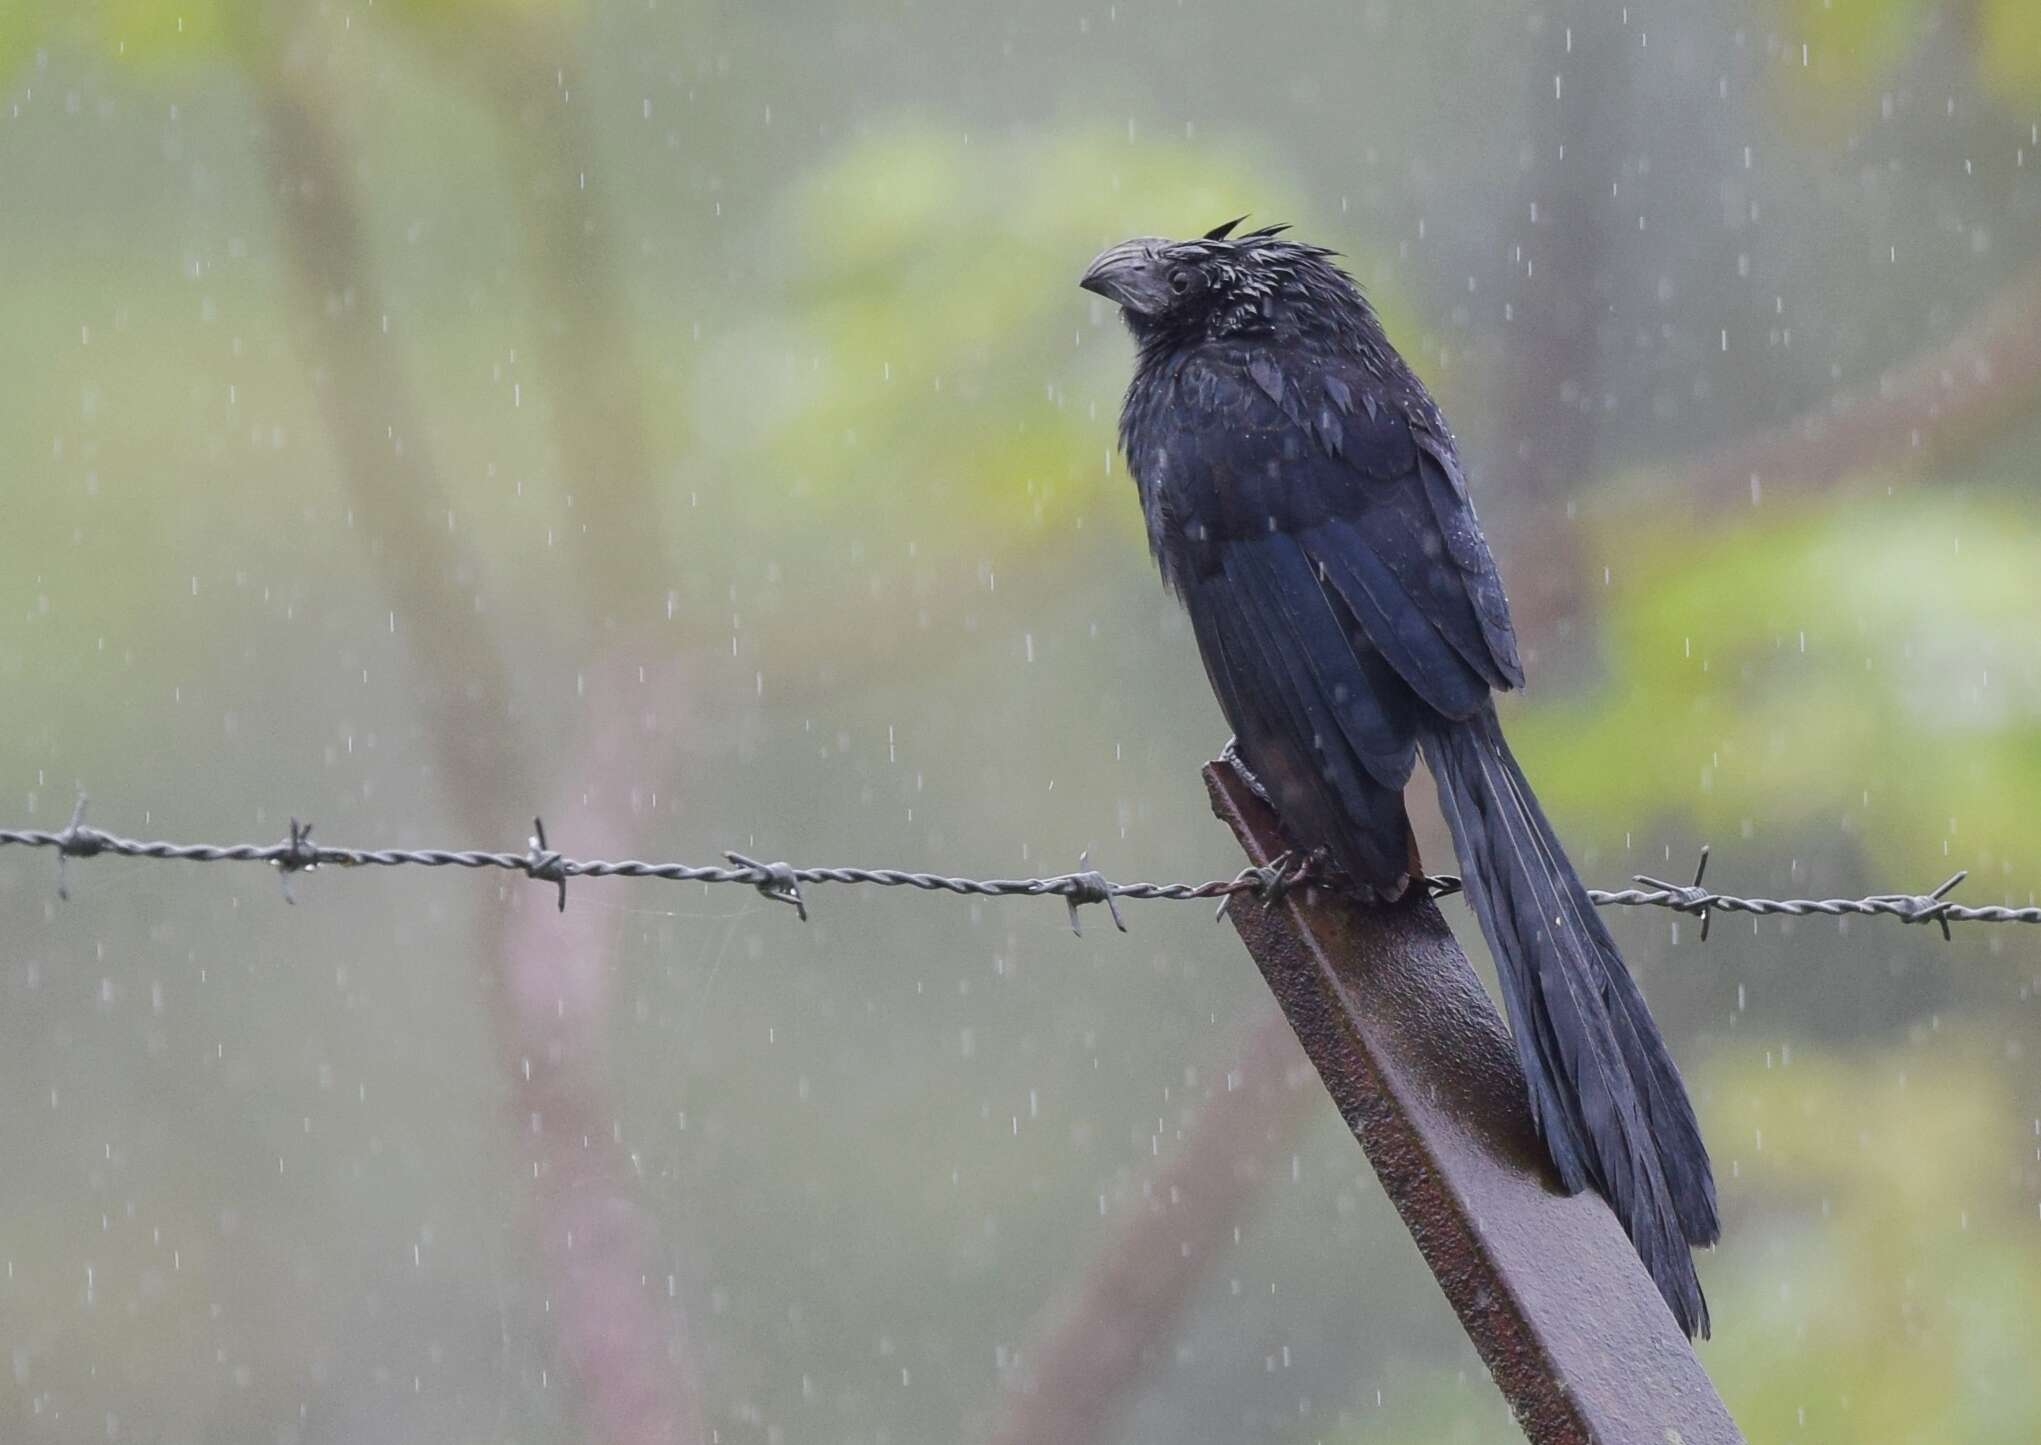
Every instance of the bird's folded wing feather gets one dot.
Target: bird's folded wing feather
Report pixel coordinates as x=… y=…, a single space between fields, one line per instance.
x=1365 y=487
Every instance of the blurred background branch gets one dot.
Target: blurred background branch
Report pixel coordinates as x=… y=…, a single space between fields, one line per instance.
x=1958 y=396
x=617 y=1336
x=524 y=61
x=1575 y=115
x=1099 y=1338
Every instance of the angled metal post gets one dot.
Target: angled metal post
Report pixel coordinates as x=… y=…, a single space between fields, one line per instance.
x=1419 y=1063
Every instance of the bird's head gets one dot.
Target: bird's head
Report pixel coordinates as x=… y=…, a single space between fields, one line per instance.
x=1222 y=285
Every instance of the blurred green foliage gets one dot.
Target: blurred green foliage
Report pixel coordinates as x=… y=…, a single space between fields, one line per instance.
x=147 y=36
x=1857 y=671
x=1853 y=46
x=1894 y=1298
x=486 y=12
x=2009 y=50
x=1849 y=45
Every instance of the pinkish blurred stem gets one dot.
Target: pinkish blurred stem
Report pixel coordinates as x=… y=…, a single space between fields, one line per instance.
x=613 y=1297
x=601 y=1261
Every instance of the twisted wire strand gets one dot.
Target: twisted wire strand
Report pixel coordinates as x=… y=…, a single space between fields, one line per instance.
x=783 y=882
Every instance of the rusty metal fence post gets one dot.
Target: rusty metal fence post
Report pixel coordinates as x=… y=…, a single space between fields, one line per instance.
x=1419 y=1063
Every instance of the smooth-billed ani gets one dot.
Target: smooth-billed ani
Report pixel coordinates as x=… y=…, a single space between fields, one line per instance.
x=1305 y=501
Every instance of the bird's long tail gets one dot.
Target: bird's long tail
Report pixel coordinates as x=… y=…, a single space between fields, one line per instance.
x=1605 y=1094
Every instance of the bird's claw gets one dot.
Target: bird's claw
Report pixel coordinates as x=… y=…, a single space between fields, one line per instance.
x=1230 y=755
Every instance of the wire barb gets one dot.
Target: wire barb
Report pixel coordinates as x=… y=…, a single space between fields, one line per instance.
x=783 y=882
x=1088 y=885
x=76 y=841
x=542 y=863
x=1283 y=875
x=780 y=882
x=1928 y=907
x=1261 y=879
x=1692 y=898
x=299 y=856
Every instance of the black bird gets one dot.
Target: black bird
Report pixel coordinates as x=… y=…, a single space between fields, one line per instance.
x=1305 y=501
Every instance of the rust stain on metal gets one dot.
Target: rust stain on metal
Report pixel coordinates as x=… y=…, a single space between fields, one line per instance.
x=1418 y=1061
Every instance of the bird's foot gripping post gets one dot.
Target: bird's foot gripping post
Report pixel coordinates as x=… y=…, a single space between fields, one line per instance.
x=1417 y=1059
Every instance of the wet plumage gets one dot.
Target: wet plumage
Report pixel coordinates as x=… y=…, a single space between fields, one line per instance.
x=1305 y=501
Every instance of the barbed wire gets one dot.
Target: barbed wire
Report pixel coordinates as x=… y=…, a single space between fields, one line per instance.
x=782 y=882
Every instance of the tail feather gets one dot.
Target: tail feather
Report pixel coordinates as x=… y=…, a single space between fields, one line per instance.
x=1681 y=1151
x=1605 y=1094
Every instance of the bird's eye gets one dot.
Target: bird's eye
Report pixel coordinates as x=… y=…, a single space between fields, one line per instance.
x=1179 y=281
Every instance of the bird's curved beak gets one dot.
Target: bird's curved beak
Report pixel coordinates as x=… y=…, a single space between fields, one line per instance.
x=1131 y=274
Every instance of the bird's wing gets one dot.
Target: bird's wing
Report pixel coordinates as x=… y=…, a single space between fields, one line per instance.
x=1368 y=491
x=1332 y=745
